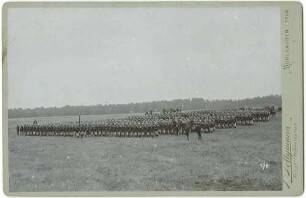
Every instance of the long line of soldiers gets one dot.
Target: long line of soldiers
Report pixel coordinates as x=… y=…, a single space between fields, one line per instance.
x=151 y=125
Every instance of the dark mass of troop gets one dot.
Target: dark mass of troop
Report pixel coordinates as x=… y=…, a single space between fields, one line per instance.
x=153 y=124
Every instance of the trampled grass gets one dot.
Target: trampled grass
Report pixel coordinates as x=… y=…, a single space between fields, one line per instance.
x=228 y=159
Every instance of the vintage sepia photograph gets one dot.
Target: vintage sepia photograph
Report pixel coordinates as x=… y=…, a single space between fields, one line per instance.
x=144 y=98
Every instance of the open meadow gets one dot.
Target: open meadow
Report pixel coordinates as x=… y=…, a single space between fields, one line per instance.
x=244 y=158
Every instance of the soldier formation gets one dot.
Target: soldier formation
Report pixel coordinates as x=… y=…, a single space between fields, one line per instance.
x=154 y=124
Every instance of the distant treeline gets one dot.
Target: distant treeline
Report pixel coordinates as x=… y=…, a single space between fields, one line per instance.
x=184 y=104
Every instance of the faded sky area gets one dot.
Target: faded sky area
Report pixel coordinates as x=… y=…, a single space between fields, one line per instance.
x=88 y=56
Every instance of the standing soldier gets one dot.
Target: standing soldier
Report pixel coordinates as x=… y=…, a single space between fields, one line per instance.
x=175 y=127
x=18 y=131
x=180 y=126
x=273 y=111
x=189 y=128
x=198 y=130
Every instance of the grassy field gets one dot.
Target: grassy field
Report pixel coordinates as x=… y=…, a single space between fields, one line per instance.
x=228 y=159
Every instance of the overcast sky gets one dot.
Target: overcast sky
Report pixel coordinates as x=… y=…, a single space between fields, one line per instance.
x=89 y=56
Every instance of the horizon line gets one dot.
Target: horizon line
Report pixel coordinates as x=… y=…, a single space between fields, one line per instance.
x=210 y=100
